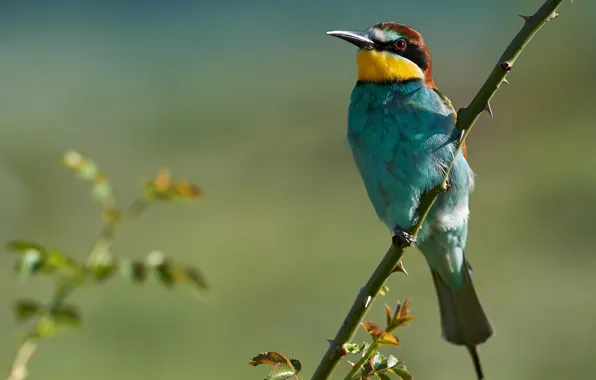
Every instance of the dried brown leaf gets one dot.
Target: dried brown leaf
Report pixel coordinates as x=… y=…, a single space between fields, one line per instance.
x=388 y=314
x=270 y=357
x=372 y=329
x=162 y=180
x=402 y=314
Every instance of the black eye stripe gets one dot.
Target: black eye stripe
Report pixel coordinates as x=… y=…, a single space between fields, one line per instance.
x=390 y=45
x=413 y=52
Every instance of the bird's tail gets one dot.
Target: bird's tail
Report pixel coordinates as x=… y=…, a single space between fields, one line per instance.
x=463 y=320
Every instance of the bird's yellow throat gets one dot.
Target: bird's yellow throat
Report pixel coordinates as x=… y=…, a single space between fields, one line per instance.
x=378 y=66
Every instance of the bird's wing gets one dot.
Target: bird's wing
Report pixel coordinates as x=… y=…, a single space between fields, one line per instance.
x=449 y=105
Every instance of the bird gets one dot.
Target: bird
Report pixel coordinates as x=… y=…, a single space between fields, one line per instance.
x=403 y=136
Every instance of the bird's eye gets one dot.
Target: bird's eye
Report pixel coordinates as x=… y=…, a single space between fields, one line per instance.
x=400 y=45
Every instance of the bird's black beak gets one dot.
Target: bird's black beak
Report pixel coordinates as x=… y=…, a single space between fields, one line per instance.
x=361 y=40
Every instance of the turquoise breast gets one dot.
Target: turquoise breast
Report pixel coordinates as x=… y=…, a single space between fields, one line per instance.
x=402 y=137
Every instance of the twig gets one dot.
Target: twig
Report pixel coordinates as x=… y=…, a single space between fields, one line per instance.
x=98 y=252
x=369 y=353
x=466 y=118
x=19 y=366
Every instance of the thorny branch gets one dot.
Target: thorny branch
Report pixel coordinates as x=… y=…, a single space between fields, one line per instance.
x=466 y=118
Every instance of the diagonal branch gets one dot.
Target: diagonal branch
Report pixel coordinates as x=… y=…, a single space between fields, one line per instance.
x=465 y=121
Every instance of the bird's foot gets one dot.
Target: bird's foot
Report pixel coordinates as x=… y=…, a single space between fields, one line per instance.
x=402 y=237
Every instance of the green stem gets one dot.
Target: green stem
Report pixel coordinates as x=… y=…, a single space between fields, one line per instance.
x=19 y=366
x=370 y=351
x=63 y=290
x=103 y=243
x=465 y=121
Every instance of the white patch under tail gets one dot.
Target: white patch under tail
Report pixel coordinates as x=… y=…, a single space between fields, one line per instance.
x=453 y=218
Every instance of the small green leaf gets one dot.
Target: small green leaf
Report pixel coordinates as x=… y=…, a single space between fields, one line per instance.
x=191 y=277
x=102 y=191
x=45 y=328
x=164 y=274
x=31 y=257
x=86 y=169
x=398 y=368
x=387 y=339
x=354 y=348
x=27 y=309
x=38 y=260
x=30 y=263
x=58 y=263
x=401 y=372
x=169 y=274
x=392 y=361
x=103 y=271
x=384 y=364
x=296 y=364
x=283 y=367
x=382 y=376
x=379 y=362
x=281 y=372
x=23 y=247
x=133 y=270
x=66 y=315
x=162 y=268
x=81 y=165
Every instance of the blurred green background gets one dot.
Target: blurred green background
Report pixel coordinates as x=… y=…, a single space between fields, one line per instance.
x=249 y=100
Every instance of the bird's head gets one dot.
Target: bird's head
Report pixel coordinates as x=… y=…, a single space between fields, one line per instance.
x=390 y=52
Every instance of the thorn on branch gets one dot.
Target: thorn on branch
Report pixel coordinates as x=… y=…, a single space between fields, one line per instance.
x=400 y=268
x=506 y=66
x=462 y=134
x=553 y=16
x=488 y=109
x=339 y=350
x=505 y=81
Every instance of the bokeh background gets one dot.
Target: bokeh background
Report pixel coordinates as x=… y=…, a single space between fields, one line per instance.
x=249 y=100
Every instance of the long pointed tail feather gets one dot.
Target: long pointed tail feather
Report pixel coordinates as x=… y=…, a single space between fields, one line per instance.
x=473 y=350
x=463 y=320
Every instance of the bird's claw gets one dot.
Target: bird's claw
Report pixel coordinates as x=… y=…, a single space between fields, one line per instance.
x=402 y=237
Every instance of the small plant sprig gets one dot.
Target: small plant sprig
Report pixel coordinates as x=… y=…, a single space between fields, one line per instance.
x=283 y=367
x=373 y=363
x=101 y=264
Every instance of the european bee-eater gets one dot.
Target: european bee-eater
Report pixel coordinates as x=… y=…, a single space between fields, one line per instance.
x=402 y=134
